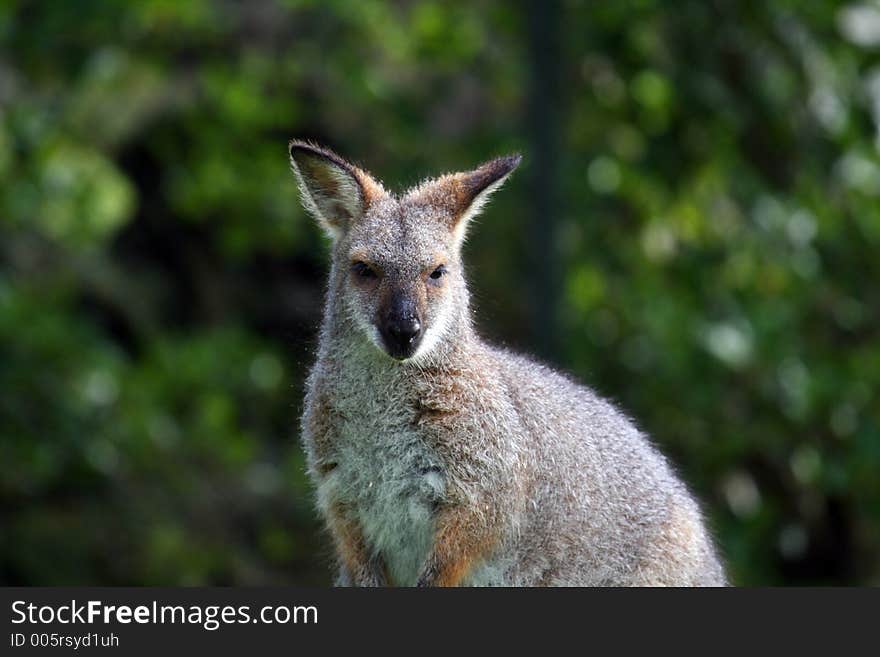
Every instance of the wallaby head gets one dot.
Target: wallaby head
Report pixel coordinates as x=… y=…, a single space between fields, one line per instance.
x=397 y=259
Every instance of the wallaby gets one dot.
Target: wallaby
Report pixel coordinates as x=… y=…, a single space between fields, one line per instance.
x=440 y=460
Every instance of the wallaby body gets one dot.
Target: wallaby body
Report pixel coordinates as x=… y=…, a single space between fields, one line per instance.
x=440 y=460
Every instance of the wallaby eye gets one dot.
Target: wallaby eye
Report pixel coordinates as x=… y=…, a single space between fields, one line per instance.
x=363 y=270
x=438 y=273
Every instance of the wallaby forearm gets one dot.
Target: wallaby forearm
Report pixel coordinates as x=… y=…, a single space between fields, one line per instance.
x=461 y=540
x=358 y=565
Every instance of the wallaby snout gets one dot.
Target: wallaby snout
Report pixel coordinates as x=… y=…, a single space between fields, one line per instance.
x=401 y=327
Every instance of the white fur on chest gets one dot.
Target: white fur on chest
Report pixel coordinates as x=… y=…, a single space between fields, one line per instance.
x=390 y=480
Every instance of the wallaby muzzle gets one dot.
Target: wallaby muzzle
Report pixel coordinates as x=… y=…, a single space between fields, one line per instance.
x=401 y=327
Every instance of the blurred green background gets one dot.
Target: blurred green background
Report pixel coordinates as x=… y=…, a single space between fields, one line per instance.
x=694 y=233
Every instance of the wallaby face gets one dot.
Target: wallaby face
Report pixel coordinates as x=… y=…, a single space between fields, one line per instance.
x=401 y=283
x=401 y=257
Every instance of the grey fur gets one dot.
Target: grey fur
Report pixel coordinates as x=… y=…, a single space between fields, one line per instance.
x=465 y=463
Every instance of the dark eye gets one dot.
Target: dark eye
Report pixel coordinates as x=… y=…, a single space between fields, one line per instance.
x=363 y=270
x=439 y=272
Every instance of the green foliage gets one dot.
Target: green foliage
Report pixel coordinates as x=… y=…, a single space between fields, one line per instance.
x=160 y=286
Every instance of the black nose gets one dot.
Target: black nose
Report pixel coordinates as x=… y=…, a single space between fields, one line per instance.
x=401 y=335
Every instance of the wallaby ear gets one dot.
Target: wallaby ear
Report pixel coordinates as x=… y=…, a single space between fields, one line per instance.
x=478 y=185
x=464 y=194
x=334 y=191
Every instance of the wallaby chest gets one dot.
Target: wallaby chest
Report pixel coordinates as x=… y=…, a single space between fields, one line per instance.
x=378 y=463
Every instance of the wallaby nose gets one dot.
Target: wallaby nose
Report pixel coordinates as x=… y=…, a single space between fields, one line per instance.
x=401 y=327
x=402 y=334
